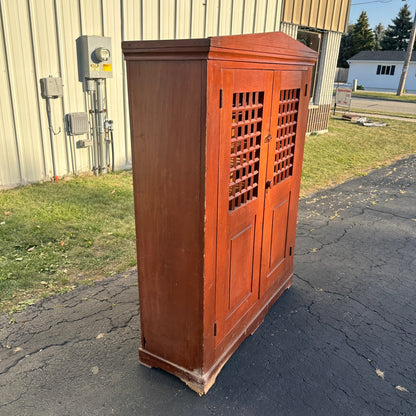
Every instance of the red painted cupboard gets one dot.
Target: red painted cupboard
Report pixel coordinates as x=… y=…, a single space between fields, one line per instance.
x=217 y=130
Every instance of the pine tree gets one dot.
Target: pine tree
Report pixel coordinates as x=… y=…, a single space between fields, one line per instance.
x=378 y=36
x=344 y=48
x=397 y=35
x=360 y=37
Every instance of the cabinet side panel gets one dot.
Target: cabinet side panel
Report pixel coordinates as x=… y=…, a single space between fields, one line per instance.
x=165 y=110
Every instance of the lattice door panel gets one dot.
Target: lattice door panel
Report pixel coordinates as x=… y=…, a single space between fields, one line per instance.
x=246 y=125
x=286 y=135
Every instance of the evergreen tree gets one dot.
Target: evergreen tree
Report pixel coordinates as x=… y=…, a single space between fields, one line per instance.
x=397 y=35
x=360 y=37
x=378 y=36
x=344 y=48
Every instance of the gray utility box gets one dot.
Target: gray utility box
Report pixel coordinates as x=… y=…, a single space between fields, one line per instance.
x=51 y=87
x=94 y=57
x=77 y=123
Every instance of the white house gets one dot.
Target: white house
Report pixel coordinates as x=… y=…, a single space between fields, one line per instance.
x=381 y=70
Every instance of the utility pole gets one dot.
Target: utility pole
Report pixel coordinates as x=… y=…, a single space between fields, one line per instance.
x=407 y=60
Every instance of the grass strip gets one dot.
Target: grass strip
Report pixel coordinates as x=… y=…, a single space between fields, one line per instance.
x=54 y=236
x=349 y=150
x=408 y=98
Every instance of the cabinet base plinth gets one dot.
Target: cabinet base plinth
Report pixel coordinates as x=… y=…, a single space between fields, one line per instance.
x=197 y=380
x=200 y=383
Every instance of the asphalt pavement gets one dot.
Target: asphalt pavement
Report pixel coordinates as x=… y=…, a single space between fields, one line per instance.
x=384 y=105
x=341 y=341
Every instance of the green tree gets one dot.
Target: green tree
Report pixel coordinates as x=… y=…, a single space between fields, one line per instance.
x=378 y=36
x=397 y=35
x=360 y=37
x=344 y=48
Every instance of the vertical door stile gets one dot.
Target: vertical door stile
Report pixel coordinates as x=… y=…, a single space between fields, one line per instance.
x=279 y=228
x=245 y=122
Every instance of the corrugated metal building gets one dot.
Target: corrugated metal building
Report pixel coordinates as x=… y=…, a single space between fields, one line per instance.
x=37 y=39
x=320 y=24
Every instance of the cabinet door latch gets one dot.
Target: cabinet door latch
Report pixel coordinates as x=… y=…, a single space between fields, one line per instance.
x=268 y=138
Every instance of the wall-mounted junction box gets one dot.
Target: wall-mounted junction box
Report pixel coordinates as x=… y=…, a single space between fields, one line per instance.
x=77 y=123
x=94 y=57
x=82 y=144
x=51 y=87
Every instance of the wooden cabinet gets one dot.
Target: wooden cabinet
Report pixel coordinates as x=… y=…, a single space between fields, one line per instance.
x=218 y=129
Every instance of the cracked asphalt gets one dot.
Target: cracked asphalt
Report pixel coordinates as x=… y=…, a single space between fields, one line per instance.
x=341 y=341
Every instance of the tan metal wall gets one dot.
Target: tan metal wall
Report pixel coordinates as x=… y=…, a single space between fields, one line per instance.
x=37 y=39
x=327 y=62
x=289 y=29
x=321 y=101
x=320 y=14
x=327 y=67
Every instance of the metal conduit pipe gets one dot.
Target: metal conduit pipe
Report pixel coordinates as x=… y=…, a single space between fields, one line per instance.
x=74 y=159
x=100 y=126
x=94 y=132
x=112 y=150
x=51 y=134
x=109 y=141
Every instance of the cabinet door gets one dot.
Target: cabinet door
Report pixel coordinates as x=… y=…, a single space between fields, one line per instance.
x=245 y=122
x=283 y=177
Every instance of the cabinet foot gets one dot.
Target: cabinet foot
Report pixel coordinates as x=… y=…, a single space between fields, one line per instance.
x=195 y=380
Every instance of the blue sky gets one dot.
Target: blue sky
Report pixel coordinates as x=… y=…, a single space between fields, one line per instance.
x=379 y=10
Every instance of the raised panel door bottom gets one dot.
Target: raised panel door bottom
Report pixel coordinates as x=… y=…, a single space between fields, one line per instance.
x=241 y=267
x=278 y=236
x=276 y=251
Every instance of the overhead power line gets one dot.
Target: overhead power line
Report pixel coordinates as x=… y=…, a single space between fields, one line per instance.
x=373 y=1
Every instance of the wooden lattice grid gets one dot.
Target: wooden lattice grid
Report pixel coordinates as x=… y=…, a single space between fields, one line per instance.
x=286 y=135
x=246 y=125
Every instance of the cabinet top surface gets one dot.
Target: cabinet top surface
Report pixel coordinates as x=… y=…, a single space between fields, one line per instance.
x=273 y=46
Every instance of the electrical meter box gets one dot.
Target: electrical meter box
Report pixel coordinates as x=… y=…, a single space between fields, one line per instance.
x=51 y=87
x=94 y=57
x=77 y=123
